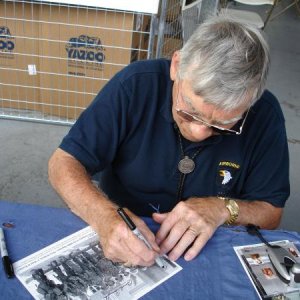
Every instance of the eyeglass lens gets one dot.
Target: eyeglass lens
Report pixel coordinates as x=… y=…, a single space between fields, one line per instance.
x=189 y=118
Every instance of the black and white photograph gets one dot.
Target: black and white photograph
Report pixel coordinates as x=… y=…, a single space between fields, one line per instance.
x=76 y=268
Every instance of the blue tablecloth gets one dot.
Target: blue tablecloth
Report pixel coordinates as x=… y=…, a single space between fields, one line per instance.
x=215 y=274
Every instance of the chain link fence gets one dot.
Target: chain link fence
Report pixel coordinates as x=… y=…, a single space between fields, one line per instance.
x=55 y=57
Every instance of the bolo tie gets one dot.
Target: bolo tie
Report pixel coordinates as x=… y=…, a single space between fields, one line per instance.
x=186 y=164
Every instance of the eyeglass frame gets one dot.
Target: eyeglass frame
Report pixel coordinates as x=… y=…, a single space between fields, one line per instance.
x=216 y=128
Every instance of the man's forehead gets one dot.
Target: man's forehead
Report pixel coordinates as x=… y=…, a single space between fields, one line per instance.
x=199 y=107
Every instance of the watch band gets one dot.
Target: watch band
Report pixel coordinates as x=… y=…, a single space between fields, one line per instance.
x=233 y=209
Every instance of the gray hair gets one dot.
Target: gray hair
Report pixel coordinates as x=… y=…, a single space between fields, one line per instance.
x=227 y=62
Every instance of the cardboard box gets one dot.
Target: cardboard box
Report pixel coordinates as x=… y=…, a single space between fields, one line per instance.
x=19 y=85
x=56 y=58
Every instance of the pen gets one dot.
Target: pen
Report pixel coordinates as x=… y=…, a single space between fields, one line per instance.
x=137 y=233
x=8 y=268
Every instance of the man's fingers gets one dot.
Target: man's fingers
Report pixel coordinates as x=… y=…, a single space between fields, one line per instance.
x=142 y=252
x=124 y=246
x=187 y=228
x=149 y=236
x=175 y=234
x=132 y=251
x=185 y=240
x=165 y=228
x=159 y=218
x=197 y=245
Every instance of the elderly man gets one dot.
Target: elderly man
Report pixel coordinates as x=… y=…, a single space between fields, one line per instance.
x=194 y=142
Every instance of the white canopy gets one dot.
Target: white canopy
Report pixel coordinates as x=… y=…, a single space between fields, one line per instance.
x=143 y=6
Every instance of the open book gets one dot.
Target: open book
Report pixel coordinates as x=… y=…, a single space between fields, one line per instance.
x=75 y=268
x=262 y=273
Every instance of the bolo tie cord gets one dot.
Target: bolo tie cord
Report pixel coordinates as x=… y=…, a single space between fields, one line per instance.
x=183 y=175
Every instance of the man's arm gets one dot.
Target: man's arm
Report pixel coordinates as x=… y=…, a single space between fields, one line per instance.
x=72 y=182
x=260 y=213
x=193 y=222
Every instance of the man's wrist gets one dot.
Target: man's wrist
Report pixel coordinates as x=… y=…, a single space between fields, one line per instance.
x=233 y=208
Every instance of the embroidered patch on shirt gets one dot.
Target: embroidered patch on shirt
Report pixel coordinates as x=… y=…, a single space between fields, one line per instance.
x=227 y=172
x=226 y=176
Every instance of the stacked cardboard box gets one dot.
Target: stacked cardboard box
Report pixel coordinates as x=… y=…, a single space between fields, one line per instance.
x=16 y=54
x=55 y=58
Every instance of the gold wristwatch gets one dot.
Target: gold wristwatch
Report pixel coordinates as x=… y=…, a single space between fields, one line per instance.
x=233 y=209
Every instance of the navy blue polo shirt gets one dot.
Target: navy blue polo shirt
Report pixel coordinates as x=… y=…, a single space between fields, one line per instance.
x=128 y=134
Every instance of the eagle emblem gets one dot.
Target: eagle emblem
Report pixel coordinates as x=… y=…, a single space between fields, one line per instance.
x=226 y=176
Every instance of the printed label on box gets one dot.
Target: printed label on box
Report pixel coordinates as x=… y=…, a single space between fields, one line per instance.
x=7 y=43
x=85 y=49
x=32 y=70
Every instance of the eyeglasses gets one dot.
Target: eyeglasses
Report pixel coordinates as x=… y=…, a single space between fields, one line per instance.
x=217 y=129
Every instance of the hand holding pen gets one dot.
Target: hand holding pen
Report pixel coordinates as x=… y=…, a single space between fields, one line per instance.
x=159 y=261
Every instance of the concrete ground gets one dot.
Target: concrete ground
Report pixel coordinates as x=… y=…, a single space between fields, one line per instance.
x=27 y=146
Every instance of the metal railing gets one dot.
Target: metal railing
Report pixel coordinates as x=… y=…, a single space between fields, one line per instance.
x=54 y=58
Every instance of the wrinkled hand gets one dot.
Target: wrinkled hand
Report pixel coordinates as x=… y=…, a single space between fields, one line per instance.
x=189 y=226
x=119 y=244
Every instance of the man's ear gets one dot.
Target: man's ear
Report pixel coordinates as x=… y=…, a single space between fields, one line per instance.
x=174 y=65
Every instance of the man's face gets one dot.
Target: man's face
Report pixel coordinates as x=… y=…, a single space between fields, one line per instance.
x=184 y=100
x=196 y=119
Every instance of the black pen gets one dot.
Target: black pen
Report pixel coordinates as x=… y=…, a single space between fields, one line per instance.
x=137 y=233
x=8 y=268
